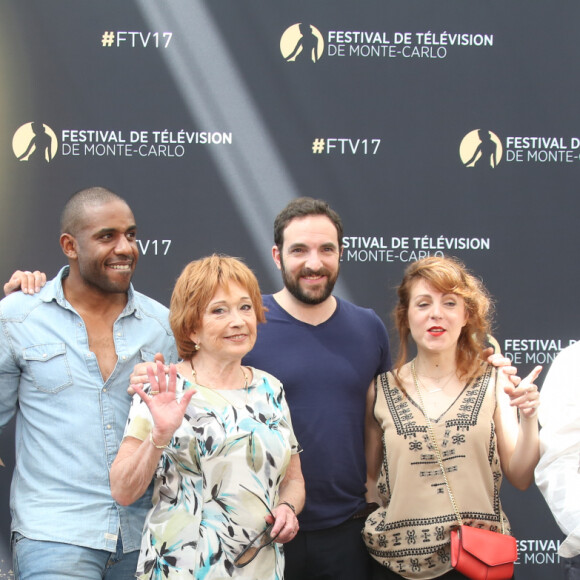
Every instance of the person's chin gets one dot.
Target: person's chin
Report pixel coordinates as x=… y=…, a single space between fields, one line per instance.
x=313 y=290
x=120 y=277
x=119 y=287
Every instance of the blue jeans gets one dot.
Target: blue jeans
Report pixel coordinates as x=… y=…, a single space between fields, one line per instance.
x=40 y=560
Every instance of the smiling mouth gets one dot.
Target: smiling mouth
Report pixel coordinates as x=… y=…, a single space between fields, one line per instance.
x=120 y=267
x=309 y=275
x=437 y=330
x=237 y=337
x=313 y=276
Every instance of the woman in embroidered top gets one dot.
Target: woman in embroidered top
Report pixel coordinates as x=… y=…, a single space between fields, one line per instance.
x=217 y=438
x=473 y=410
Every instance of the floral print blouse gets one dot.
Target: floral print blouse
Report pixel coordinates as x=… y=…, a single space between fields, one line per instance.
x=216 y=482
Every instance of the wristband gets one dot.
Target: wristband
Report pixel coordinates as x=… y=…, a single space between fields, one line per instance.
x=155 y=444
x=289 y=505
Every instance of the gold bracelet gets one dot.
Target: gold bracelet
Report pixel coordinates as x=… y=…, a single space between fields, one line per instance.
x=155 y=444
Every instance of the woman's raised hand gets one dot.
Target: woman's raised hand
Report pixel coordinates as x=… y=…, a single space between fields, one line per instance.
x=161 y=400
x=525 y=396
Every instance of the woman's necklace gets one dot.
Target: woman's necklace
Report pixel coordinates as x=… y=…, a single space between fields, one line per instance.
x=218 y=391
x=438 y=380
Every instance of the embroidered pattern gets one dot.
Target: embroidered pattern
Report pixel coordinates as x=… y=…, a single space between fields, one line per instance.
x=418 y=546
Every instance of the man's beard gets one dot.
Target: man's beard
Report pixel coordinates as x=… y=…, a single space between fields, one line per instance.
x=309 y=296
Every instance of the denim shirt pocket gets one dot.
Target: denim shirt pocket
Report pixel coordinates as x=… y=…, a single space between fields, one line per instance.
x=48 y=367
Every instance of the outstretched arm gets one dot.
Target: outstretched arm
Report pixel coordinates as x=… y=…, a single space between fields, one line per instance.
x=477 y=152
x=299 y=45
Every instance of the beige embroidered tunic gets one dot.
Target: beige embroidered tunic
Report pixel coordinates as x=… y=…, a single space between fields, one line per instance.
x=410 y=535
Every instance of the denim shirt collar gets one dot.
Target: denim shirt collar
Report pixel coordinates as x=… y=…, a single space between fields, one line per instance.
x=56 y=292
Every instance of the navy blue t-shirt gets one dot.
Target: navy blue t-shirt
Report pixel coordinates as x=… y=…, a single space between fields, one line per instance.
x=326 y=371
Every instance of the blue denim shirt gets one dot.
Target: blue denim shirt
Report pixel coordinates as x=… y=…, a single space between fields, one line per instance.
x=69 y=422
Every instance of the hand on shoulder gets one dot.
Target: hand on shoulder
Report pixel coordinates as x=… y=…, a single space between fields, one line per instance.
x=25 y=281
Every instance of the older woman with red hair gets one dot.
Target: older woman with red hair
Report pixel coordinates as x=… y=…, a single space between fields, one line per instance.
x=216 y=437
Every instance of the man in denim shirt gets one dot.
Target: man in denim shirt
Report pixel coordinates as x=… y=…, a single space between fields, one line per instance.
x=66 y=354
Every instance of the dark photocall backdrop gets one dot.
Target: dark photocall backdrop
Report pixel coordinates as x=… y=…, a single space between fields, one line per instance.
x=432 y=126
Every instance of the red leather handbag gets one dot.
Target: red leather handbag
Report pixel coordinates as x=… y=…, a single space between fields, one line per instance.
x=482 y=554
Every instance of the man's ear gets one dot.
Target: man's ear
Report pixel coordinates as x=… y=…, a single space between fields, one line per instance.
x=276 y=256
x=69 y=246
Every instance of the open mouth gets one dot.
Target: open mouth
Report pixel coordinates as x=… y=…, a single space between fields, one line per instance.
x=312 y=276
x=120 y=267
x=436 y=331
